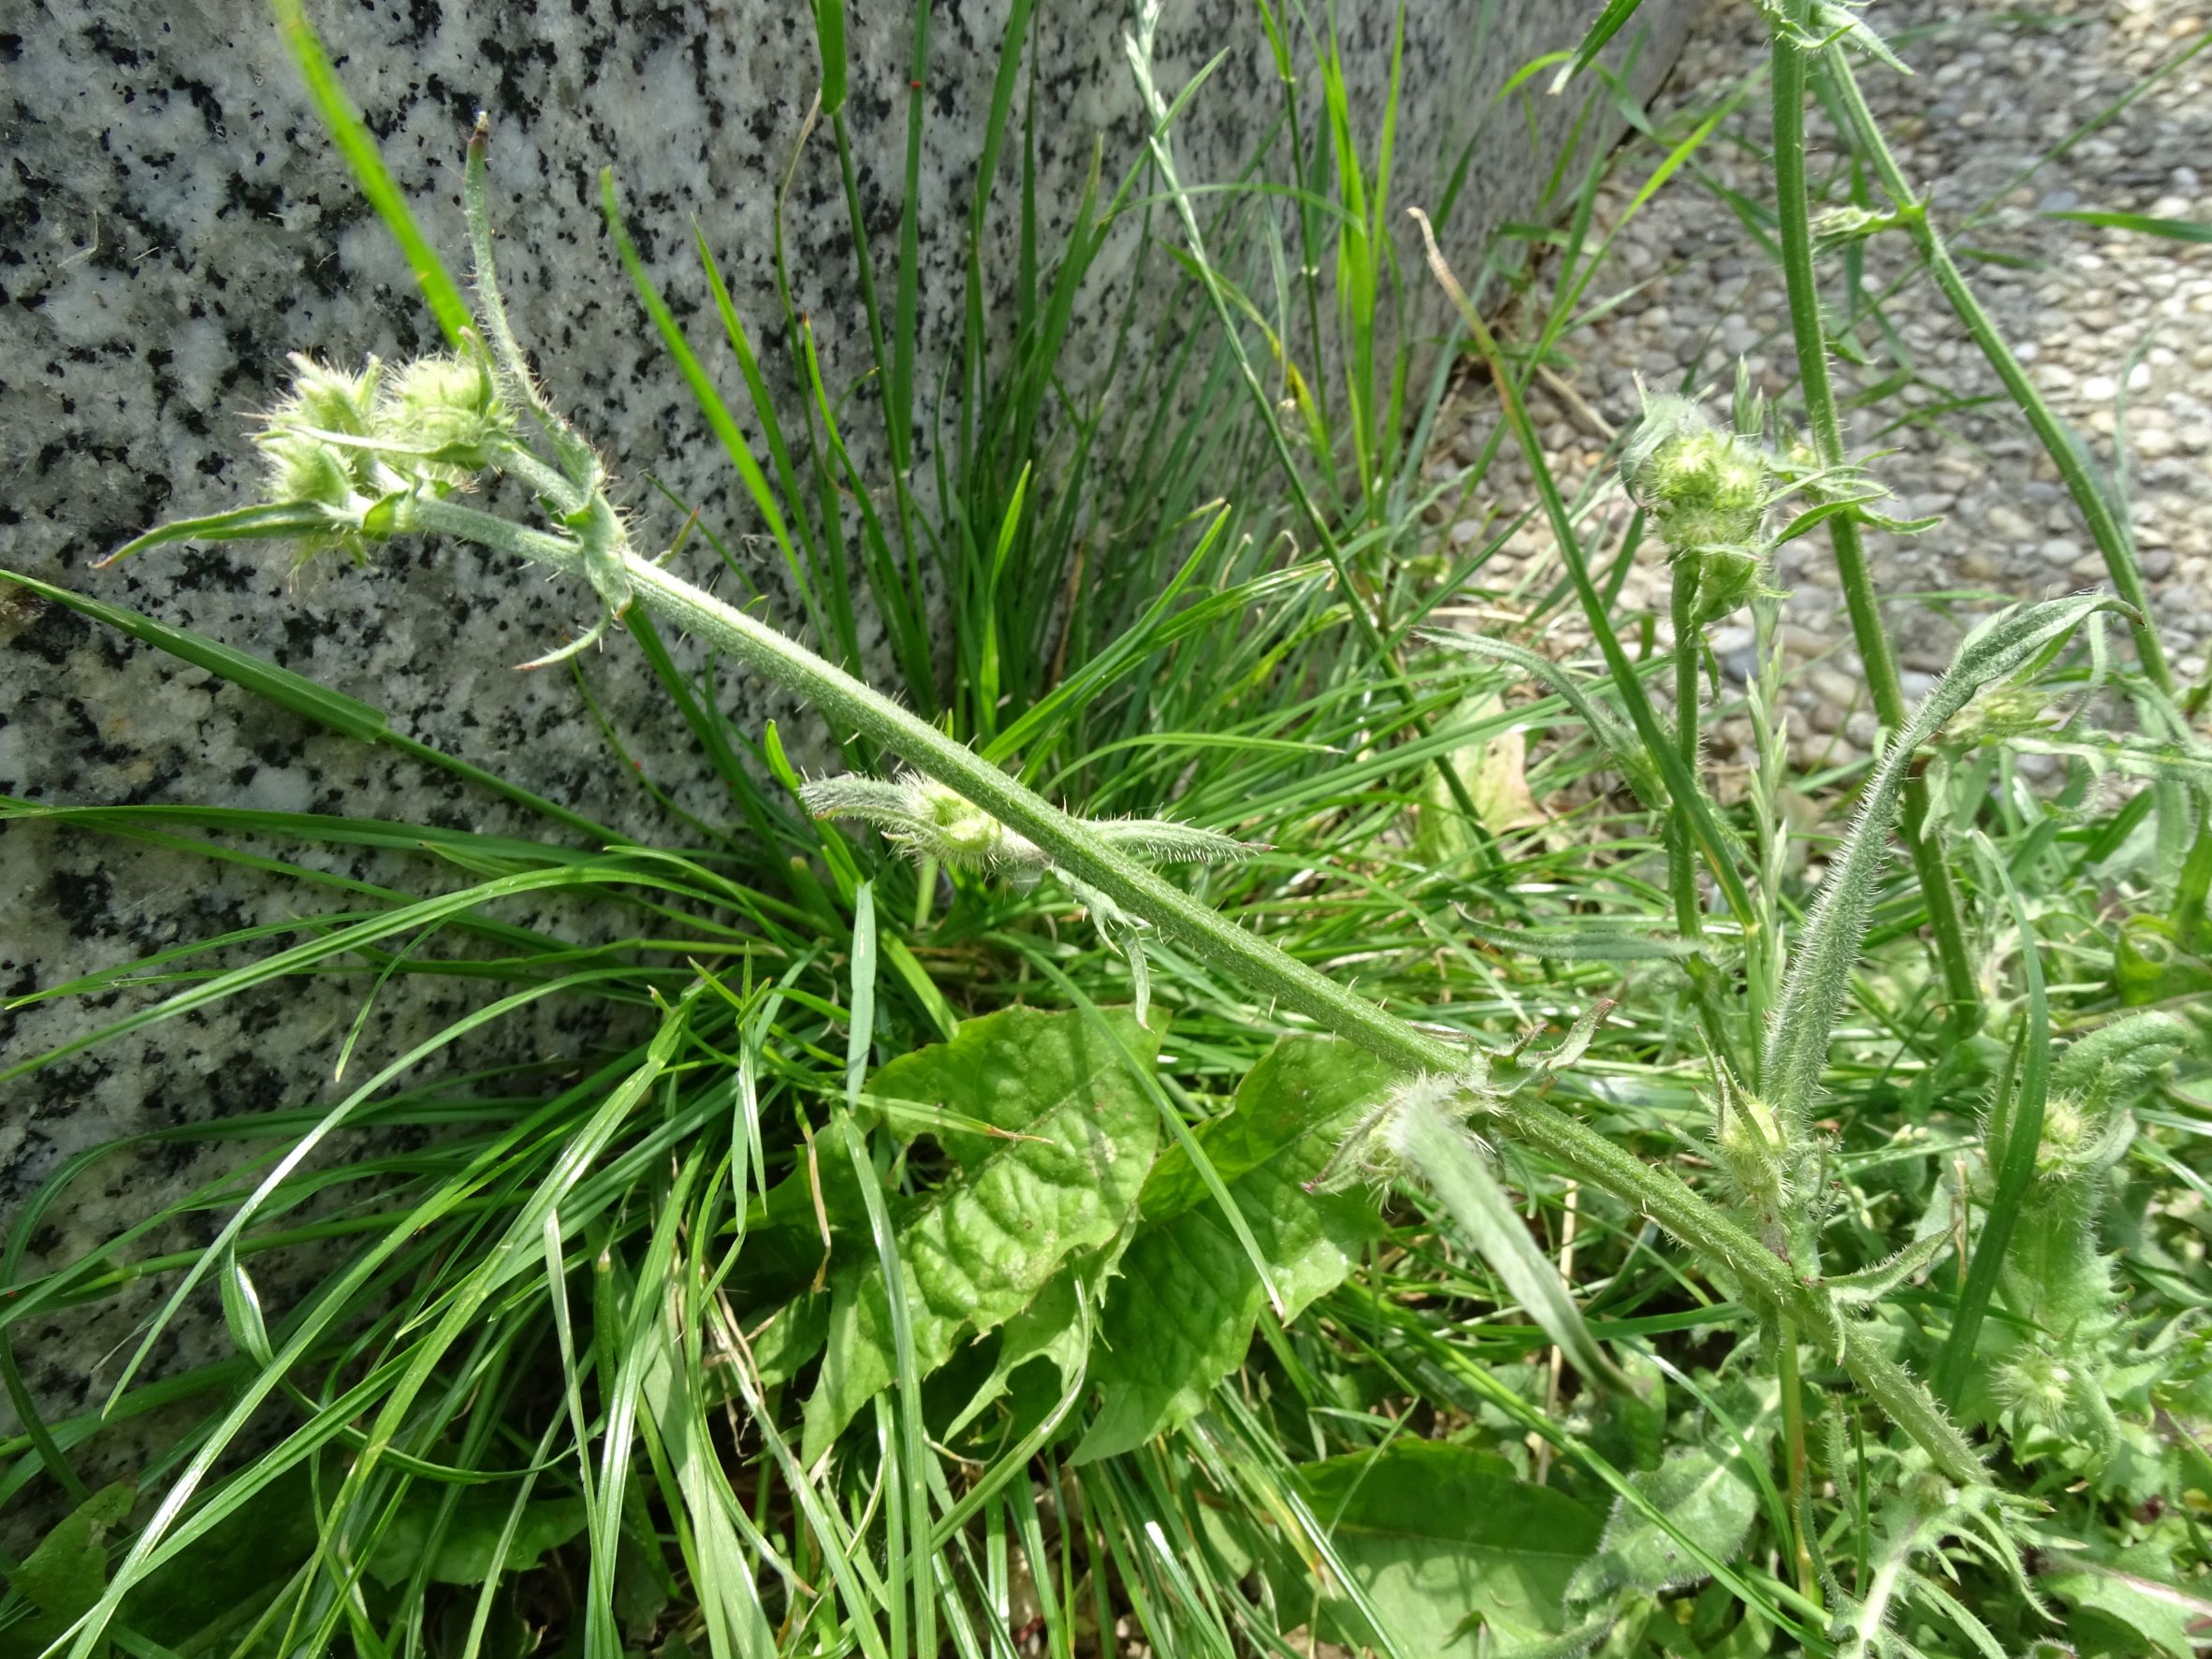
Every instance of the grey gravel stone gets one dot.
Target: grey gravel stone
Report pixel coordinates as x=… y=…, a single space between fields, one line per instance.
x=1993 y=94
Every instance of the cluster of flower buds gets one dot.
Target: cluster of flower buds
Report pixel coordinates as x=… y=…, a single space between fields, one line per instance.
x=927 y=819
x=2037 y=1386
x=347 y=443
x=1773 y=1162
x=1707 y=490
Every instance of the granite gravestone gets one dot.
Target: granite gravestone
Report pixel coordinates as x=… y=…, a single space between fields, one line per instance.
x=177 y=222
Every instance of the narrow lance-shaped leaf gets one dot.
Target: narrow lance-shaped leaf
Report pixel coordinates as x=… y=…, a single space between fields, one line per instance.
x=295 y=692
x=1588 y=943
x=1609 y=25
x=1432 y=1142
x=2013 y=1153
x=1819 y=980
x=1871 y=1283
x=276 y=521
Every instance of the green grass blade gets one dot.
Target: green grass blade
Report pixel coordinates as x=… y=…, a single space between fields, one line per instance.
x=359 y=146
x=2179 y=230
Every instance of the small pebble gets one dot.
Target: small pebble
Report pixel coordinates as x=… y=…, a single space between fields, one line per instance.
x=2093 y=314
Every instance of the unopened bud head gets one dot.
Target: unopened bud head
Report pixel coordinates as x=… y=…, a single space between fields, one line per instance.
x=1752 y=1148
x=300 y=468
x=961 y=830
x=2035 y=1386
x=1707 y=490
x=449 y=409
x=329 y=399
x=2066 y=1137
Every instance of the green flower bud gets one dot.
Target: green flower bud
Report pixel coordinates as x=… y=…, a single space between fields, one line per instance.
x=306 y=460
x=329 y=399
x=1841 y=226
x=2035 y=1386
x=1752 y=1148
x=961 y=833
x=1712 y=472
x=2065 y=1134
x=1707 y=490
x=447 y=409
x=1998 y=715
x=302 y=463
x=300 y=468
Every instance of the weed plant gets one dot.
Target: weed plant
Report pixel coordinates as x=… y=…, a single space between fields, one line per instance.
x=1405 y=1228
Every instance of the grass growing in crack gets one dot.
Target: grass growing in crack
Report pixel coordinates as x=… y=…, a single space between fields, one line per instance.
x=877 y=1286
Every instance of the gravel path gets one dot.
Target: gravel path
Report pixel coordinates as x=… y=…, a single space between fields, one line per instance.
x=2103 y=318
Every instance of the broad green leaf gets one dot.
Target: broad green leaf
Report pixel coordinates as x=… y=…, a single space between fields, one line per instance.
x=470 y=1542
x=64 y=1576
x=230 y=1567
x=1446 y=1541
x=792 y=1335
x=1002 y=1070
x=1181 y=1314
x=1051 y=1329
x=1079 y=1138
x=1709 y=1492
x=2156 y=1617
x=1293 y=1102
x=2149 y=965
x=1629 y=1425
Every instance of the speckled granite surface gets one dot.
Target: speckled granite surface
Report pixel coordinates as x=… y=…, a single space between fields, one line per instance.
x=175 y=222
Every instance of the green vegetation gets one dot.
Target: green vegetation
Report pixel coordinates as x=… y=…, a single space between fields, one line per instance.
x=1294 y=1195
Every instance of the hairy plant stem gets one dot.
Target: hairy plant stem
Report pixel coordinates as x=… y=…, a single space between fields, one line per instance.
x=2058 y=440
x=851 y=706
x=1937 y=890
x=596 y=548
x=1681 y=869
x=1681 y=846
x=1681 y=837
x=1792 y=1435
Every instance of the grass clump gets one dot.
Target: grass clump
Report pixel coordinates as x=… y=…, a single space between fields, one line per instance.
x=881 y=1284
